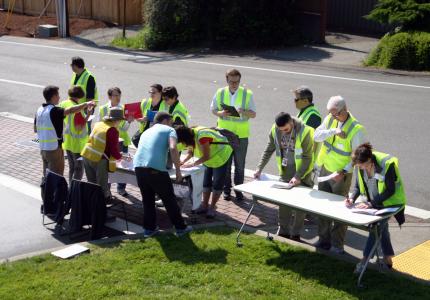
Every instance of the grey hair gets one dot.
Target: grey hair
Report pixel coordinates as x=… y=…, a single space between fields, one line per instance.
x=336 y=102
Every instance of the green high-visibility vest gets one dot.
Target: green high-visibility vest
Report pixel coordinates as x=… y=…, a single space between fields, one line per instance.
x=385 y=161
x=122 y=127
x=145 y=105
x=307 y=113
x=298 y=149
x=82 y=82
x=335 y=152
x=181 y=112
x=73 y=139
x=219 y=153
x=237 y=125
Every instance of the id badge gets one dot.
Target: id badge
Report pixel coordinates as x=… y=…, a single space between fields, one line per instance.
x=284 y=162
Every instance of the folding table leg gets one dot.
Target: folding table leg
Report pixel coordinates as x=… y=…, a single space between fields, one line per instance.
x=375 y=229
x=238 y=243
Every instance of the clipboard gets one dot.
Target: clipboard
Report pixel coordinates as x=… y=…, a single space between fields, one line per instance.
x=231 y=109
x=133 y=110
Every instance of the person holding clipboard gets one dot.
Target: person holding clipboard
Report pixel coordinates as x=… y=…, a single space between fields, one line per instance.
x=234 y=106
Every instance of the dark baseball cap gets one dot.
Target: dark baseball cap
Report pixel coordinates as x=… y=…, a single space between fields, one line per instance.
x=303 y=92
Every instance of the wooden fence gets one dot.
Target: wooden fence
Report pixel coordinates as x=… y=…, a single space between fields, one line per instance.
x=104 y=10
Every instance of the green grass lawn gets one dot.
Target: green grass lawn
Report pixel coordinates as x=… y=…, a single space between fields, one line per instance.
x=205 y=265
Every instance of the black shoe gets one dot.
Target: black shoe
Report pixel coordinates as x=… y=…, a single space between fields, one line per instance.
x=123 y=193
x=227 y=197
x=322 y=245
x=239 y=198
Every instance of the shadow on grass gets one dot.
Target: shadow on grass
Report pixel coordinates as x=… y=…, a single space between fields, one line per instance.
x=339 y=275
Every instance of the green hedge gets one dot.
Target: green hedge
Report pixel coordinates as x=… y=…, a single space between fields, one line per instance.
x=404 y=50
x=235 y=23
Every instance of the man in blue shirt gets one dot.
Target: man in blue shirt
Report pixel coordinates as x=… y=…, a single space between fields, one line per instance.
x=152 y=176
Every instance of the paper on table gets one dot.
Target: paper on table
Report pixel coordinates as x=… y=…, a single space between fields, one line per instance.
x=373 y=211
x=70 y=251
x=264 y=177
x=328 y=177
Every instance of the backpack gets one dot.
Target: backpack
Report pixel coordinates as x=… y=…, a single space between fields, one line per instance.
x=232 y=138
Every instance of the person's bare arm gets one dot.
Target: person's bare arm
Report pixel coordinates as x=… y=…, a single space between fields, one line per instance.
x=76 y=108
x=175 y=158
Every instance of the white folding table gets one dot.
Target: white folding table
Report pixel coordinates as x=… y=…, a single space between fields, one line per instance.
x=314 y=202
x=192 y=179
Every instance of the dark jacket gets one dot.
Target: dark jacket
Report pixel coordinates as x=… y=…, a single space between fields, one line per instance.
x=54 y=196
x=88 y=207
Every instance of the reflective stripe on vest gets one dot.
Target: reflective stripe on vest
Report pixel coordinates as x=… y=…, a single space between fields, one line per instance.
x=83 y=82
x=95 y=148
x=385 y=160
x=237 y=125
x=307 y=113
x=219 y=153
x=335 y=152
x=145 y=105
x=46 y=134
x=181 y=112
x=74 y=140
x=298 y=149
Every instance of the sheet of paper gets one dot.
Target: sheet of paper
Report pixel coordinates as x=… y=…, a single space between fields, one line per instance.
x=328 y=177
x=70 y=251
x=264 y=177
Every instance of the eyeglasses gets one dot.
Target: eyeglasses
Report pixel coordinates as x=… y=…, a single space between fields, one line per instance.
x=337 y=114
x=298 y=99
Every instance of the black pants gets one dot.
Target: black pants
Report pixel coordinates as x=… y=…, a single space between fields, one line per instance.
x=153 y=182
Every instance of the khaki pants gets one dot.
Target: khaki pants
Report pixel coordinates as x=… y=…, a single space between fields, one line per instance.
x=330 y=232
x=98 y=172
x=53 y=160
x=290 y=220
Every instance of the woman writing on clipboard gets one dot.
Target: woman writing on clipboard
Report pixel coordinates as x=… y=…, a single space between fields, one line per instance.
x=378 y=179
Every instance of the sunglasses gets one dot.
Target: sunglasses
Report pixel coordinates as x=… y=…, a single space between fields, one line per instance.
x=298 y=99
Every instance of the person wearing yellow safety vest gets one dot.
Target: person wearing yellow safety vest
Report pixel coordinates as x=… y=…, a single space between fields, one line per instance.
x=48 y=124
x=114 y=95
x=308 y=112
x=213 y=150
x=176 y=108
x=75 y=134
x=292 y=141
x=86 y=80
x=149 y=107
x=101 y=151
x=377 y=178
x=242 y=99
x=340 y=134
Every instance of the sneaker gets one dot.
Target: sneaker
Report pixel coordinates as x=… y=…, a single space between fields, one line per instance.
x=200 y=210
x=211 y=213
x=322 y=245
x=147 y=233
x=359 y=268
x=182 y=232
x=337 y=250
x=159 y=203
x=123 y=193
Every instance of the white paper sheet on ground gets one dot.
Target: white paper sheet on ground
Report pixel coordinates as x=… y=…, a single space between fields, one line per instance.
x=328 y=177
x=70 y=251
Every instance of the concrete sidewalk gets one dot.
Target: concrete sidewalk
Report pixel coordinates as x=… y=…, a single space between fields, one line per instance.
x=21 y=160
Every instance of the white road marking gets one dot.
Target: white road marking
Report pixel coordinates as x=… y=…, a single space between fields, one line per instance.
x=74 y=50
x=21 y=83
x=305 y=74
x=16 y=117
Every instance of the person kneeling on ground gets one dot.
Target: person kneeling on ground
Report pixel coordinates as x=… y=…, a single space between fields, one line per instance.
x=292 y=141
x=378 y=179
x=213 y=151
x=152 y=175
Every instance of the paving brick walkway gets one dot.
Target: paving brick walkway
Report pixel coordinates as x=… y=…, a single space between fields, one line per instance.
x=21 y=160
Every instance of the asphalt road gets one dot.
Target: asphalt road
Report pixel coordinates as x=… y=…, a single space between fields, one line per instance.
x=393 y=108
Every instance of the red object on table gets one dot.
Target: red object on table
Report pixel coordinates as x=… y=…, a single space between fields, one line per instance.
x=132 y=109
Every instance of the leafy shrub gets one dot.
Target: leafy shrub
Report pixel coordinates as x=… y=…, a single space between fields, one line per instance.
x=404 y=50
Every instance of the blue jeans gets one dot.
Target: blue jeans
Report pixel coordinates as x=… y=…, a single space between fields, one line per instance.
x=122 y=186
x=214 y=178
x=239 y=158
x=387 y=248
